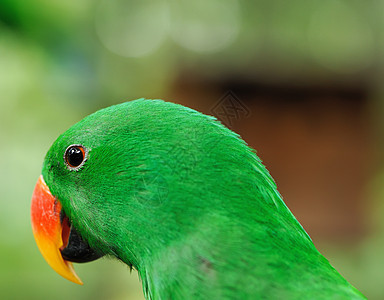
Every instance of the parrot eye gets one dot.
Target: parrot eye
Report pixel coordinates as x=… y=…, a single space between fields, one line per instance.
x=75 y=156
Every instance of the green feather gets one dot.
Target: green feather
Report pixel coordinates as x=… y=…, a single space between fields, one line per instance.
x=181 y=198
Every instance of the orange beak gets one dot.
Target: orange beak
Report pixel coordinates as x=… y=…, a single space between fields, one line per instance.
x=49 y=231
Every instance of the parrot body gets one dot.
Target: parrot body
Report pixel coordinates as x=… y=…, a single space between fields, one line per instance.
x=179 y=197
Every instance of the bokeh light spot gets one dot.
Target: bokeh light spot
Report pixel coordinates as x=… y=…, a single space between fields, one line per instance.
x=339 y=39
x=205 y=26
x=132 y=30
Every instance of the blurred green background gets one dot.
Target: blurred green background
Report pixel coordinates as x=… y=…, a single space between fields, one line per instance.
x=306 y=75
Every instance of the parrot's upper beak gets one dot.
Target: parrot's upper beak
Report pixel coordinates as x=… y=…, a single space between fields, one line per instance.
x=50 y=230
x=58 y=241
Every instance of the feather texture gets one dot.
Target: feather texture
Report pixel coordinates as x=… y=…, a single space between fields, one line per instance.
x=181 y=198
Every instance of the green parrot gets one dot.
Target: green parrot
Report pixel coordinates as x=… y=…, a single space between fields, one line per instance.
x=182 y=199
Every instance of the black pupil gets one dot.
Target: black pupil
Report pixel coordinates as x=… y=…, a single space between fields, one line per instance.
x=75 y=156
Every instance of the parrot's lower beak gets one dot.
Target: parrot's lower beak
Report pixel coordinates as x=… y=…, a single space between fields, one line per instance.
x=50 y=229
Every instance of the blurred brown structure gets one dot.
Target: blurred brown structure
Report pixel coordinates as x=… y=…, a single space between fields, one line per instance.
x=315 y=140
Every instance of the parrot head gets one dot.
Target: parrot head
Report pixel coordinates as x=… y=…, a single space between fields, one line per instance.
x=115 y=183
x=181 y=198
